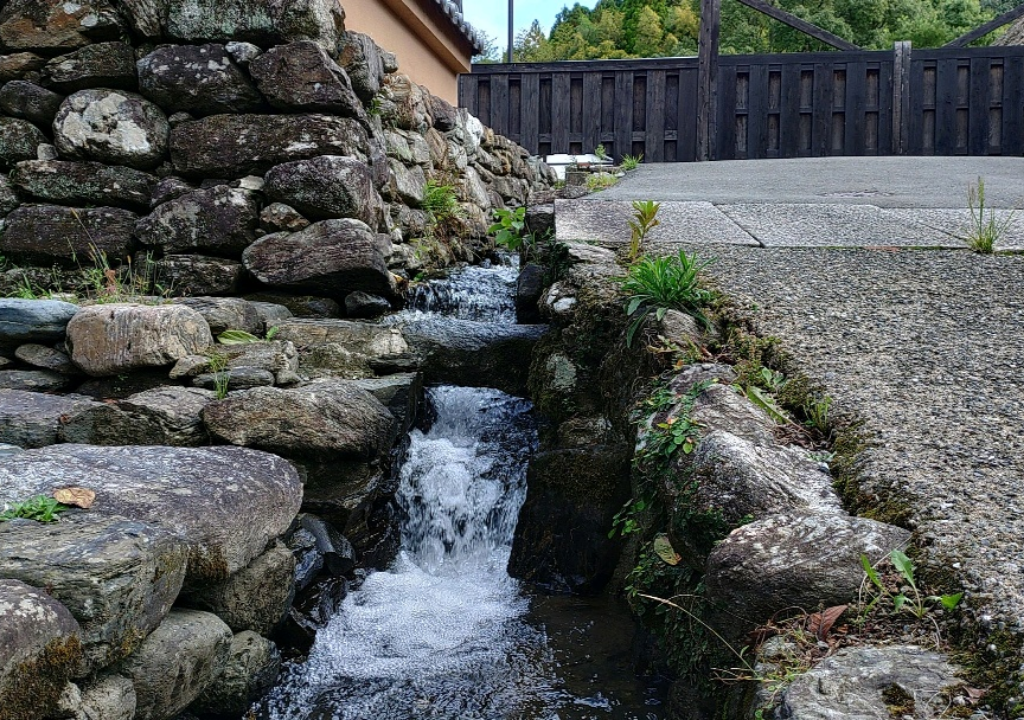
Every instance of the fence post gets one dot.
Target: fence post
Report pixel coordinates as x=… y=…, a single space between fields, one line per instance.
x=707 y=79
x=901 y=98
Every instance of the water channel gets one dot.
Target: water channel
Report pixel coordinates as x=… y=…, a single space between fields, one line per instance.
x=445 y=633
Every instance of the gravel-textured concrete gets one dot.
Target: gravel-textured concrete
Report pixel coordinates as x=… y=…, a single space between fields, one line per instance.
x=928 y=348
x=594 y=219
x=915 y=182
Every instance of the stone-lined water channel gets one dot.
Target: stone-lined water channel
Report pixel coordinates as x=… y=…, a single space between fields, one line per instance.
x=445 y=632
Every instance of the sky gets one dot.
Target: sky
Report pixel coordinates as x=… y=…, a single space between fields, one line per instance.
x=491 y=16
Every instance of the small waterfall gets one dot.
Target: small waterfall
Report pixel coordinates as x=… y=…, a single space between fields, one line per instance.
x=440 y=634
x=482 y=293
x=445 y=633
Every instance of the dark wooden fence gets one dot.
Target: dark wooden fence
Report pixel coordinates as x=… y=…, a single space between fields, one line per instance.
x=950 y=101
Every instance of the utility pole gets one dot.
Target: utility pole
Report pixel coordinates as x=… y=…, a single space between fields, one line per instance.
x=511 y=32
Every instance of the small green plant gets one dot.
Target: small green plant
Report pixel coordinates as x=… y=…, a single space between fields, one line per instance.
x=631 y=162
x=596 y=182
x=915 y=603
x=626 y=521
x=440 y=201
x=985 y=230
x=645 y=219
x=221 y=374
x=657 y=285
x=816 y=410
x=601 y=152
x=39 y=508
x=510 y=231
x=272 y=332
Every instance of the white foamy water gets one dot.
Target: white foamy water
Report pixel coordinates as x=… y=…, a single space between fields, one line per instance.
x=440 y=634
x=484 y=293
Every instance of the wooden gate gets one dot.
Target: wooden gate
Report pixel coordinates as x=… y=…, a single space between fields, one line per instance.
x=948 y=101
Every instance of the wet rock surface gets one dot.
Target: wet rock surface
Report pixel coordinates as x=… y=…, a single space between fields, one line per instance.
x=302 y=76
x=52 y=235
x=80 y=183
x=220 y=221
x=27 y=321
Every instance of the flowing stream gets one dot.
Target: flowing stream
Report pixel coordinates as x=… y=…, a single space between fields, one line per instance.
x=445 y=633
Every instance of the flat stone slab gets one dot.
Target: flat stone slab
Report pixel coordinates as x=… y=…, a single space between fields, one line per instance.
x=835 y=225
x=957 y=223
x=226 y=503
x=699 y=223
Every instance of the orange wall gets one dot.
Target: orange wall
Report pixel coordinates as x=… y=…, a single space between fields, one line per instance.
x=429 y=48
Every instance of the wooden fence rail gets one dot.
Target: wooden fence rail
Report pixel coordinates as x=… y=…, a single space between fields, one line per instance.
x=949 y=101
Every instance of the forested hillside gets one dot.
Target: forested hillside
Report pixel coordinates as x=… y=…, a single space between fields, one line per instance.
x=661 y=28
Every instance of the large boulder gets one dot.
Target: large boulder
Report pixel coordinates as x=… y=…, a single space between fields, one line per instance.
x=255 y=21
x=162 y=416
x=112 y=126
x=361 y=58
x=202 y=80
x=118 y=578
x=857 y=684
x=329 y=186
x=561 y=541
x=225 y=503
x=49 y=234
x=303 y=77
x=34 y=419
x=41 y=650
x=343 y=345
x=277 y=358
x=177 y=663
x=38 y=321
x=198 y=274
x=103 y=65
x=400 y=393
x=325 y=419
x=252 y=669
x=112 y=339
x=224 y=313
x=255 y=598
x=19 y=140
x=473 y=353
x=220 y=220
x=333 y=258
x=26 y=100
x=795 y=560
x=51 y=26
x=84 y=183
x=231 y=146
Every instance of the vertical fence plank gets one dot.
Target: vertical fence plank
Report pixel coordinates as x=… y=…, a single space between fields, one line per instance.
x=901 y=90
x=686 y=149
x=855 y=108
x=725 y=148
x=946 y=92
x=1013 y=106
x=981 y=69
x=623 y=113
x=821 y=130
x=560 y=113
x=654 y=145
x=707 y=82
x=789 y=111
x=531 y=112
x=757 y=112
x=591 y=108
x=499 y=104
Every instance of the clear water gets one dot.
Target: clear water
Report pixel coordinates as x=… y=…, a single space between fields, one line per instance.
x=445 y=633
x=477 y=292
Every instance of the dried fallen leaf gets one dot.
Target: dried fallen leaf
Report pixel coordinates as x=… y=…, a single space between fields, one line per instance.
x=821 y=623
x=75 y=497
x=663 y=548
